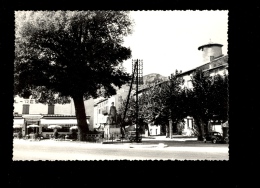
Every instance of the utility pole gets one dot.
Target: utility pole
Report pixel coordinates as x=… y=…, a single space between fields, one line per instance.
x=137 y=78
x=138 y=72
x=128 y=97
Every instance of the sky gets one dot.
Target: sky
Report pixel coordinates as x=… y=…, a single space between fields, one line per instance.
x=169 y=40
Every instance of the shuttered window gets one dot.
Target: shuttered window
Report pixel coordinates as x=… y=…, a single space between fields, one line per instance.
x=26 y=108
x=50 y=109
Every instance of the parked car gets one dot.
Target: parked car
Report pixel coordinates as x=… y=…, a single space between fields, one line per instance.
x=213 y=136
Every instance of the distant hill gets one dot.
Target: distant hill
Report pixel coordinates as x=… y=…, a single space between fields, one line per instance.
x=153 y=78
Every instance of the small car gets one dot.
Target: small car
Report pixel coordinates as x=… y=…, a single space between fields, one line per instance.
x=213 y=136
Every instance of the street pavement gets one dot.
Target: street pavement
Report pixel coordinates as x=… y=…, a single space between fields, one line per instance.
x=147 y=142
x=151 y=148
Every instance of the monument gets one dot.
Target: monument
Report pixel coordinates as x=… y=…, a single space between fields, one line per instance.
x=111 y=128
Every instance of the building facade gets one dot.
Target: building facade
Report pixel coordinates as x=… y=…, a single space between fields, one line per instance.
x=28 y=112
x=213 y=63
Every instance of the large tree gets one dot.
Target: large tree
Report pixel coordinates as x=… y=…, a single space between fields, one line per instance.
x=61 y=55
x=153 y=108
x=207 y=100
x=219 y=101
x=174 y=98
x=145 y=108
x=201 y=100
x=165 y=101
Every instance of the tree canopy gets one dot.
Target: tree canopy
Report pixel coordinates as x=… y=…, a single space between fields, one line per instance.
x=208 y=99
x=70 y=54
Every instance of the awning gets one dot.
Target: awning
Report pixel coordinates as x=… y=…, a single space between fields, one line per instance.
x=60 y=121
x=32 y=117
x=17 y=126
x=18 y=121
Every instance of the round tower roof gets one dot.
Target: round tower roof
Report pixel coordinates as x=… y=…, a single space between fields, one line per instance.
x=209 y=45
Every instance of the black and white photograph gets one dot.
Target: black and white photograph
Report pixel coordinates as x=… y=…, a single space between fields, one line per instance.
x=121 y=85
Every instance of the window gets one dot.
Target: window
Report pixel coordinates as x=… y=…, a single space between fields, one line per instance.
x=26 y=101
x=26 y=108
x=51 y=109
x=31 y=101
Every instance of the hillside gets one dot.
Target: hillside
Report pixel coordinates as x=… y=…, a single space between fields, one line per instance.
x=153 y=78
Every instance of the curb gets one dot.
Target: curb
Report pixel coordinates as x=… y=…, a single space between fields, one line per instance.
x=160 y=145
x=175 y=139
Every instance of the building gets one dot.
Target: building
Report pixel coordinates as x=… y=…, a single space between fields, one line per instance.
x=28 y=112
x=213 y=63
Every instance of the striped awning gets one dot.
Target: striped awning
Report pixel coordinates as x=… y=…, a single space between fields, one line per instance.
x=32 y=117
x=60 y=121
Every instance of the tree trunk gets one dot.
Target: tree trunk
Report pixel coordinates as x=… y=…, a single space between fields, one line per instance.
x=170 y=129
x=148 y=131
x=81 y=117
x=146 y=127
x=174 y=128
x=200 y=130
x=205 y=123
x=167 y=131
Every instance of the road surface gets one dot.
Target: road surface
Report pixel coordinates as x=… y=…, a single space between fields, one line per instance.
x=147 y=150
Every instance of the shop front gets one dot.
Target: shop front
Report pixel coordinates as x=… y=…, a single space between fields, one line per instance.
x=31 y=124
x=41 y=124
x=64 y=124
x=18 y=124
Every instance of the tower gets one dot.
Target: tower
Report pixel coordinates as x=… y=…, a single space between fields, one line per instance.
x=210 y=51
